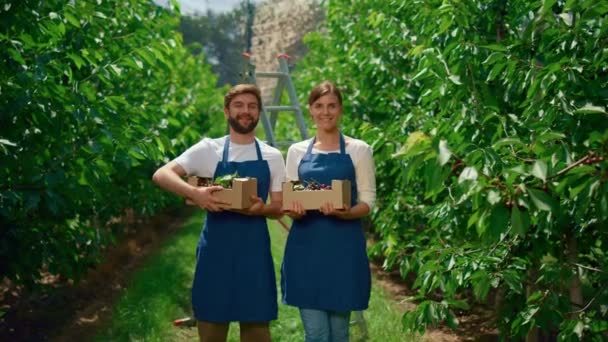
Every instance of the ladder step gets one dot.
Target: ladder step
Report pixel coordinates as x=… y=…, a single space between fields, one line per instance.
x=270 y=74
x=281 y=108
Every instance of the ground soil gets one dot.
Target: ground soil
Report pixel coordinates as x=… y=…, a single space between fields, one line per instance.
x=72 y=312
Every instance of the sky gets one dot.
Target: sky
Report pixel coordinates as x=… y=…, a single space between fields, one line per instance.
x=190 y=6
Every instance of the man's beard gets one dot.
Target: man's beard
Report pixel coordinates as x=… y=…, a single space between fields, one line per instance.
x=237 y=127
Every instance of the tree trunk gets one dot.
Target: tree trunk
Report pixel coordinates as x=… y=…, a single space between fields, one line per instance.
x=501 y=12
x=533 y=334
x=575 y=288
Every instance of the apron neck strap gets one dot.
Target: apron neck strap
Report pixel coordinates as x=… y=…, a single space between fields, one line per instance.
x=342 y=144
x=257 y=150
x=227 y=148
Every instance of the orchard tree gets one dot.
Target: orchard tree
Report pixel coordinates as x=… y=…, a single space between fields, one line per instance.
x=94 y=96
x=490 y=134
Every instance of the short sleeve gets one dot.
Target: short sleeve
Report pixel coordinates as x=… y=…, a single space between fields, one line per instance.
x=200 y=159
x=295 y=153
x=366 y=175
x=277 y=171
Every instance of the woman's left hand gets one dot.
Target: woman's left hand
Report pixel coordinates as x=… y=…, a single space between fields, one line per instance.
x=328 y=210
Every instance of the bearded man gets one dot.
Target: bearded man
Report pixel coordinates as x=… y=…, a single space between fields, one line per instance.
x=234 y=279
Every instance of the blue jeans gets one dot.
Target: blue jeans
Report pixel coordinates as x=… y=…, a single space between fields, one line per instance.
x=325 y=326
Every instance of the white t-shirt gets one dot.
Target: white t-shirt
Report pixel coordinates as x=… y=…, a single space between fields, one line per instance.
x=201 y=159
x=360 y=153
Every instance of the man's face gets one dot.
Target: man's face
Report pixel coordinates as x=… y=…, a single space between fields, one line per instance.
x=243 y=113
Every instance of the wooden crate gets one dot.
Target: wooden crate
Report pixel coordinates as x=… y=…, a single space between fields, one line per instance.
x=339 y=196
x=239 y=196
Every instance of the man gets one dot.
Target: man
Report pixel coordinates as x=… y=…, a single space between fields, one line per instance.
x=234 y=278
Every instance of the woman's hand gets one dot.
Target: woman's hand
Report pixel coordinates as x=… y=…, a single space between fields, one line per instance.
x=296 y=211
x=328 y=210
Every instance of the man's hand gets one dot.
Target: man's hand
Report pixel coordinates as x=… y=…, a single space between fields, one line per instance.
x=328 y=210
x=204 y=198
x=296 y=211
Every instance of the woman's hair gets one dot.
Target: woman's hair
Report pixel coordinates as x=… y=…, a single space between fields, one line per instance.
x=324 y=88
x=243 y=89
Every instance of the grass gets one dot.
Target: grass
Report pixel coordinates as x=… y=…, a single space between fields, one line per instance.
x=160 y=292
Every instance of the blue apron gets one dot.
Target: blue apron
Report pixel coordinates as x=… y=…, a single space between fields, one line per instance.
x=234 y=278
x=325 y=266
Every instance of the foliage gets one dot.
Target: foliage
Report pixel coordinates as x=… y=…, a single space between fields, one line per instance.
x=221 y=37
x=94 y=97
x=226 y=180
x=490 y=135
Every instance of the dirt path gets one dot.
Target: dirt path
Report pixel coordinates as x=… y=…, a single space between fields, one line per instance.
x=69 y=312
x=76 y=312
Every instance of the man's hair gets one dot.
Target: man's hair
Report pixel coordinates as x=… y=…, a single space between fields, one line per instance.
x=324 y=88
x=243 y=89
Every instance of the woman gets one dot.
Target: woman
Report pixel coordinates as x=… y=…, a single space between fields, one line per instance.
x=325 y=269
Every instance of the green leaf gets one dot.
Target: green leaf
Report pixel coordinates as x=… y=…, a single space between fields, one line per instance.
x=469 y=173
x=175 y=5
x=117 y=70
x=136 y=153
x=539 y=170
x=498 y=67
x=534 y=297
x=541 y=200
x=520 y=221
x=444 y=152
x=548 y=5
x=499 y=221
x=459 y=304
x=78 y=61
x=494 y=47
x=138 y=63
x=416 y=142
x=71 y=19
x=578 y=329
x=481 y=287
x=455 y=79
x=507 y=141
x=551 y=136
x=225 y=180
x=7 y=142
x=482 y=224
x=16 y=56
x=591 y=109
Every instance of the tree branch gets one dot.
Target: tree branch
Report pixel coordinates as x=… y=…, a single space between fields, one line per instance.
x=570 y=167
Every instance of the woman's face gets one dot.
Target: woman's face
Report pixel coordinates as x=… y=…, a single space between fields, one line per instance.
x=326 y=111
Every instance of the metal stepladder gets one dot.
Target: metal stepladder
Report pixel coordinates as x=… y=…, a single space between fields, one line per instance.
x=269 y=113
